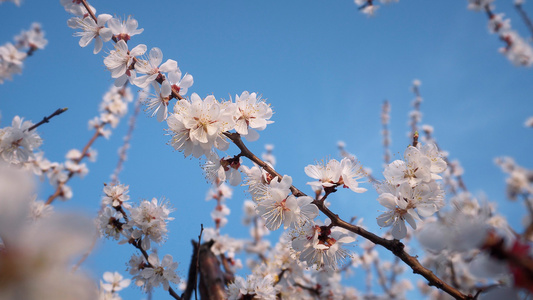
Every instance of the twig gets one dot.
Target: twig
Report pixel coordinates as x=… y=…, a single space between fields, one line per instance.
x=123 y=150
x=525 y=17
x=47 y=119
x=395 y=246
x=198 y=262
x=145 y=254
x=91 y=13
x=58 y=190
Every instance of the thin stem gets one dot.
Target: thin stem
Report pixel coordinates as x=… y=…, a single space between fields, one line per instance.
x=198 y=262
x=58 y=190
x=525 y=17
x=124 y=149
x=395 y=246
x=47 y=119
x=145 y=254
x=91 y=13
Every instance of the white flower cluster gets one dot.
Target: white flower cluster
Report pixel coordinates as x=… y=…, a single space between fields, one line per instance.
x=334 y=174
x=255 y=287
x=12 y=56
x=17 y=143
x=410 y=190
x=151 y=273
x=321 y=245
x=112 y=284
x=516 y=49
x=113 y=107
x=139 y=225
x=38 y=244
x=520 y=180
x=144 y=223
x=198 y=125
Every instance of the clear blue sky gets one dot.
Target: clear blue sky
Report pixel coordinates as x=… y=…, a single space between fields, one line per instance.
x=325 y=68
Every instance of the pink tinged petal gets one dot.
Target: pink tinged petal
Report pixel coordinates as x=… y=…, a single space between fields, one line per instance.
x=103 y=18
x=357 y=189
x=155 y=57
x=388 y=200
x=114 y=24
x=409 y=218
x=73 y=22
x=314 y=171
x=167 y=260
x=241 y=127
x=147 y=273
x=299 y=244
x=399 y=231
x=131 y=25
x=235 y=178
x=199 y=135
x=346 y=239
x=195 y=98
x=221 y=174
x=106 y=34
x=138 y=50
x=386 y=219
x=252 y=135
x=119 y=71
x=97 y=45
x=321 y=247
x=122 y=46
x=108 y=276
x=166 y=89
x=426 y=210
x=187 y=81
x=162 y=112
x=86 y=39
x=120 y=81
x=258 y=123
x=286 y=181
x=211 y=129
x=169 y=66
x=173 y=76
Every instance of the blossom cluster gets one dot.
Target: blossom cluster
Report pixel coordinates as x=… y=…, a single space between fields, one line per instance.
x=409 y=190
x=516 y=49
x=198 y=125
x=12 y=56
x=368 y=7
x=139 y=225
x=17 y=142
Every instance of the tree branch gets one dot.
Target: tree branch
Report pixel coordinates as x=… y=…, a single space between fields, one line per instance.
x=395 y=246
x=47 y=119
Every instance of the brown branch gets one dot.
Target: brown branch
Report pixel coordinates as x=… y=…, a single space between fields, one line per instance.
x=136 y=244
x=91 y=13
x=198 y=262
x=47 y=119
x=127 y=139
x=58 y=191
x=525 y=17
x=395 y=246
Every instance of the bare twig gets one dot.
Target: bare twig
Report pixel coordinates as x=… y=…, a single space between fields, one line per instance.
x=47 y=119
x=137 y=245
x=198 y=262
x=123 y=150
x=58 y=192
x=525 y=17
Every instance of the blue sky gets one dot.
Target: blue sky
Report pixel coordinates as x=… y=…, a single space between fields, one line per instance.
x=325 y=68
